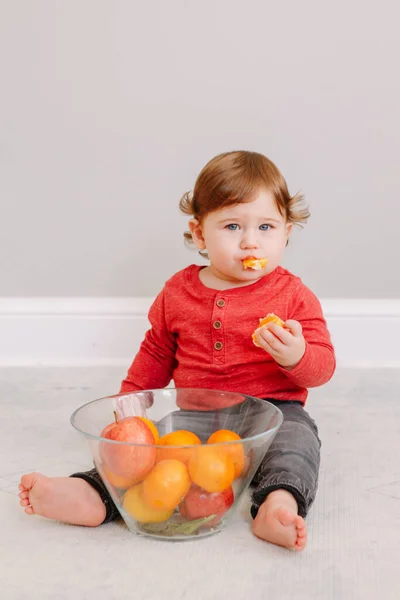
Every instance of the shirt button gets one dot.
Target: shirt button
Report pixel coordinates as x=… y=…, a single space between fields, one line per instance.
x=220 y=302
x=217 y=324
x=218 y=345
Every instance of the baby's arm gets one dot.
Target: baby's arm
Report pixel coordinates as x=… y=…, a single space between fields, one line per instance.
x=318 y=362
x=302 y=347
x=154 y=363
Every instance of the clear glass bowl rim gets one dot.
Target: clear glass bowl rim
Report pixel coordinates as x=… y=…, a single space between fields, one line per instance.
x=252 y=438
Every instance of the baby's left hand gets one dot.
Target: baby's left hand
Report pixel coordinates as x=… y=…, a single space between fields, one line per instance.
x=286 y=344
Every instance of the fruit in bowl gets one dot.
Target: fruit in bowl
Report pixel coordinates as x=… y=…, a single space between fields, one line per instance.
x=234 y=451
x=172 y=472
x=198 y=504
x=128 y=463
x=174 y=445
x=211 y=469
x=166 y=484
x=137 y=507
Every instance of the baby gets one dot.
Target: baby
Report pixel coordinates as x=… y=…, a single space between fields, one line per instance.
x=241 y=217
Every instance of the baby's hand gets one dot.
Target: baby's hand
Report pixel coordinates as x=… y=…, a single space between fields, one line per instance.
x=285 y=344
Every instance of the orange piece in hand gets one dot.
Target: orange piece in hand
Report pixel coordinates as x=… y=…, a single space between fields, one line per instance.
x=270 y=318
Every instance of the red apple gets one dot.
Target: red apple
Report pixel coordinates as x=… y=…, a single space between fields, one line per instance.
x=131 y=463
x=198 y=503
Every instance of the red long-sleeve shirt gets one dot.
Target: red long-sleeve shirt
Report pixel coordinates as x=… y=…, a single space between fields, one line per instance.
x=201 y=338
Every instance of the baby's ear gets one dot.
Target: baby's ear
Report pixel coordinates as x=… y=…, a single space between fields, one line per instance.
x=197 y=234
x=289 y=227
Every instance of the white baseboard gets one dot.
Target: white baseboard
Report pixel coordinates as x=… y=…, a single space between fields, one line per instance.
x=108 y=331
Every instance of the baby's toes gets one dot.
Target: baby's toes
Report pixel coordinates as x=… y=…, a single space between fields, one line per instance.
x=23 y=495
x=28 y=480
x=300 y=543
x=301 y=533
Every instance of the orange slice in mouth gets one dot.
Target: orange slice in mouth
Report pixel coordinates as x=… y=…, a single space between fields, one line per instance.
x=255 y=263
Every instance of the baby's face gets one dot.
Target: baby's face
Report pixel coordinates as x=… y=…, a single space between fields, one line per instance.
x=252 y=229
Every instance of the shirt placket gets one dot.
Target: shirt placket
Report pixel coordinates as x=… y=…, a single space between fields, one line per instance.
x=218 y=329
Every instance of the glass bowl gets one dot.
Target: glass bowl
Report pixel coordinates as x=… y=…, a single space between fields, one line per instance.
x=182 y=485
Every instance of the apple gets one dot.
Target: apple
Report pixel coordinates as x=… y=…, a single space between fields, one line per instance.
x=130 y=462
x=198 y=503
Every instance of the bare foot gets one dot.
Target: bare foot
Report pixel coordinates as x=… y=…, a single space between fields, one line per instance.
x=68 y=499
x=277 y=521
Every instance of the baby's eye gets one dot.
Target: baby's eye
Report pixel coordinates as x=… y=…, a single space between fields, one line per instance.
x=232 y=226
x=265 y=227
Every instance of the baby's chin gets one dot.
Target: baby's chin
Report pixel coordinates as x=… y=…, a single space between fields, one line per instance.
x=247 y=276
x=236 y=274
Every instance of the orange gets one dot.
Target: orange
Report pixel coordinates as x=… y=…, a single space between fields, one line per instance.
x=271 y=318
x=176 y=438
x=255 y=263
x=116 y=480
x=166 y=485
x=234 y=451
x=211 y=469
x=135 y=505
x=152 y=428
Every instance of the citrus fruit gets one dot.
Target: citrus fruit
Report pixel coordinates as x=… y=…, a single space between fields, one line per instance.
x=166 y=485
x=123 y=483
x=211 y=469
x=271 y=318
x=234 y=451
x=135 y=505
x=176 y=438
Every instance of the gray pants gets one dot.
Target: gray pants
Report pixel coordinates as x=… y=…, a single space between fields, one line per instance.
x=291 y=463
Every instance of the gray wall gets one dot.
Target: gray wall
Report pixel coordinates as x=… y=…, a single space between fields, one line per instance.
x=109 y=109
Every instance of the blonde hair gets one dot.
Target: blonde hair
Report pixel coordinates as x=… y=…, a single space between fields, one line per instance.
x=235 y=177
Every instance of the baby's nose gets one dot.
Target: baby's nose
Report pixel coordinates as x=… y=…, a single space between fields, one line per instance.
x=249 y=241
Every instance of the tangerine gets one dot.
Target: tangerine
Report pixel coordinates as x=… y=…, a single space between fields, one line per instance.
x=136 y=506
x=166 y=484
x=118 y=481
x=234 y=451
x=181 y=437
x=211 y=469
x=271 y=318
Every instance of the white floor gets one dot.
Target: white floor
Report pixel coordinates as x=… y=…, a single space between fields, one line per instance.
x=354 y=526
